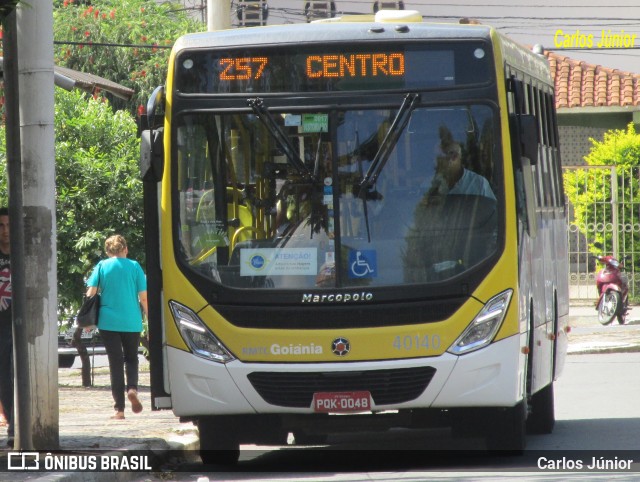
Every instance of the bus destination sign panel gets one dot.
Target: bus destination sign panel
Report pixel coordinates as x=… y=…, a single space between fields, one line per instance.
x=357 y=66
x=255 y=70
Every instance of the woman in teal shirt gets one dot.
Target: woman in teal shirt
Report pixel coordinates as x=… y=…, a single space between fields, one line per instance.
x=123 y=301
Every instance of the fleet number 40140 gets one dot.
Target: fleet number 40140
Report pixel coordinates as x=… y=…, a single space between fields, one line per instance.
x=416 y=342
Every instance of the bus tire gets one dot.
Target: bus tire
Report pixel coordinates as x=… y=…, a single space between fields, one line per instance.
x=506 y=431
x=542 y=416
x=305 y=438
x=219 y=444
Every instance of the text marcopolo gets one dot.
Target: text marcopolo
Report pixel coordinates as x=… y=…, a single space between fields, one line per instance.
x=337 y=297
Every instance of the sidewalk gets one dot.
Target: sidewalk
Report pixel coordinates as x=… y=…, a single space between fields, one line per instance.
x=85 y=415
x=587 y=335
x=85 y=427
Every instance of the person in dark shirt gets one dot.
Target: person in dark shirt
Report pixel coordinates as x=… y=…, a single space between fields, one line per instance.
x=6 y=326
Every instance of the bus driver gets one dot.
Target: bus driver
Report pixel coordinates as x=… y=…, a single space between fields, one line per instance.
x=452 y=177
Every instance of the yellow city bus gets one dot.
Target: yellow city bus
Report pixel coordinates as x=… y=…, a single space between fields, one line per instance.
x=357 y=218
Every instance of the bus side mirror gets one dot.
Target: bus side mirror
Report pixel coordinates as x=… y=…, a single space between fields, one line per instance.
x=152 y=155
x=151 y=147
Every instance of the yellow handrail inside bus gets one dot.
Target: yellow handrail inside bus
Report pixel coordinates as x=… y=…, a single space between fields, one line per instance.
x=202 y=255
x=241 y=230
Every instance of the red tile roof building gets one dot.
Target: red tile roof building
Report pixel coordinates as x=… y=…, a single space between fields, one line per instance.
x=579 y=84
x=590 y=100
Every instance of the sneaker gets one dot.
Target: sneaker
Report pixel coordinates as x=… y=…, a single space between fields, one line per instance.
x=136 y=406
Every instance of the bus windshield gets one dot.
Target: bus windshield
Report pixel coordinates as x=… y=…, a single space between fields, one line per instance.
x=283 y=199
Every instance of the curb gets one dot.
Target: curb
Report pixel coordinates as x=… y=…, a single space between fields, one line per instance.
x=605 y=349
x=589 y=337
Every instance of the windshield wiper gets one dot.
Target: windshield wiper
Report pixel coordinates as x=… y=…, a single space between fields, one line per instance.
x=384 y=151
x=274 y=129
x=388 y=144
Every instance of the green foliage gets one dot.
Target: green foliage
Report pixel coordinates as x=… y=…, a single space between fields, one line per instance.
x=144 y=29
x=589 y=190
x=98 y=190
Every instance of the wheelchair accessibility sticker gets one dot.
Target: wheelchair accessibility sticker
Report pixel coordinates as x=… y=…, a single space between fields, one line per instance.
x=363 y=264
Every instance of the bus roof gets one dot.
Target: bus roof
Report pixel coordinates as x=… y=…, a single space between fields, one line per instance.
x=349 y=29
x=323 y=32
x=382 y=16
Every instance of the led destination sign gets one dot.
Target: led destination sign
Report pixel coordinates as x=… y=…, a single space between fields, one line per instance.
x=356 y=65
x=317 y=66
x=242 y=68
x=263 y=70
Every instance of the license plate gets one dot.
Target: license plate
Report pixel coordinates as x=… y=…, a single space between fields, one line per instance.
x=87 y=333
x=342 y=402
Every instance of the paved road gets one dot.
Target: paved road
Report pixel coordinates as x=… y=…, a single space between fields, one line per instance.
x=85 y=424
x=597 y=411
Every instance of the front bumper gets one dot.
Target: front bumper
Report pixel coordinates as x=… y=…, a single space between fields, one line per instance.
x=489 y=377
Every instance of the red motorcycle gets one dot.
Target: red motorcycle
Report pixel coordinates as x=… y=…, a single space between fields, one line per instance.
x=613 y=286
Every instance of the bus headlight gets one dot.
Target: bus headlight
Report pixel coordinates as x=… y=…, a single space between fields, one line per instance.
x=197 y=336
x=484 y=326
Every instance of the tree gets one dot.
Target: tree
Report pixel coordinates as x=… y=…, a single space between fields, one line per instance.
x=589 y=190
x=98 y=188
x=125 y=41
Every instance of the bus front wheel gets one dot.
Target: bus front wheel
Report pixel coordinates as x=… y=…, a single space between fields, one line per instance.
x=305 y=438
x=219 y=444
x=542 y=417
x=506 y=430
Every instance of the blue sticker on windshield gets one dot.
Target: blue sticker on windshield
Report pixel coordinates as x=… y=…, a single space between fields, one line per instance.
x=363 y=263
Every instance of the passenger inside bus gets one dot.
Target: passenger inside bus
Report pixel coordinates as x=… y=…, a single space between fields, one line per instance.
x=293 y=206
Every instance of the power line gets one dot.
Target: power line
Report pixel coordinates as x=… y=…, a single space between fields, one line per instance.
x=547 y=23
x=109 y=44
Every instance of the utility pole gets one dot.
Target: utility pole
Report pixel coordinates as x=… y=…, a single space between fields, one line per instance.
x=218 y=15
x=14 y=174
x=35 y=293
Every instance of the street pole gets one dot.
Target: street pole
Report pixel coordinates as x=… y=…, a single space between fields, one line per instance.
x=37 y=331
x=218 y=15
x=22 y=389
